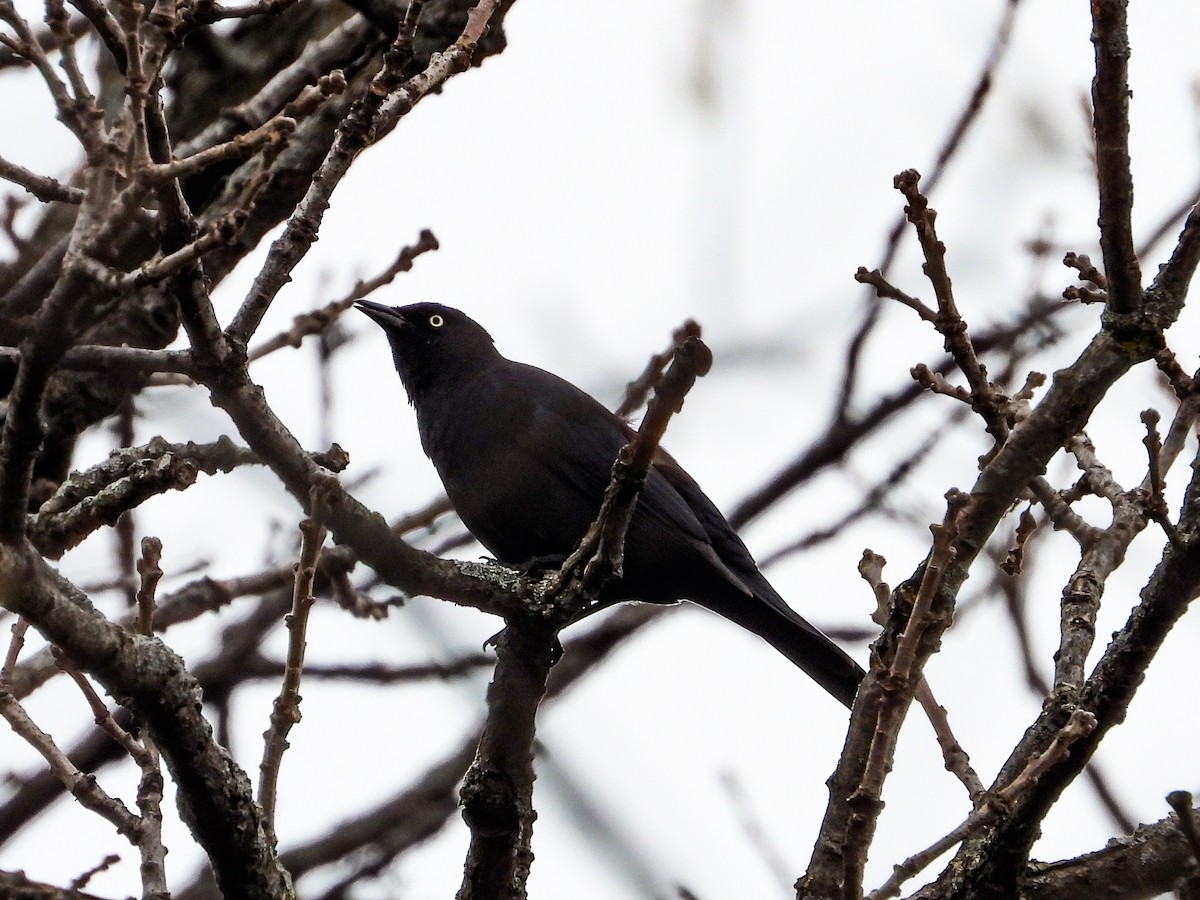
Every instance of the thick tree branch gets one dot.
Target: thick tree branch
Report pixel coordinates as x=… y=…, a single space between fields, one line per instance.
x=215 y=795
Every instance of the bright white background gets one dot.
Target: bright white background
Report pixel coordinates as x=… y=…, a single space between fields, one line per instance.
x=617 y=169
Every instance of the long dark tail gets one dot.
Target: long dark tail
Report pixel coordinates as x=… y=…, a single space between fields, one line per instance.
x=785 y=630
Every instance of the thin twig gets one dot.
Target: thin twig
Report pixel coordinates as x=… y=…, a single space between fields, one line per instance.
x=15 y=644
x=940 y=556
x=83 y=787
x=286 y=710
x=100 y=713
x=150 y=573
x=211 y=13
x=600 y=553
x=637 y=390
x=42 y=187
x=1156 y=503
x=318 y=320
x=219 y=233
x=950 y=146
x=106 y=28
x=955 y=757
x=884 y=289
x=1110 y=110
x=150 y=786
x=985 y=397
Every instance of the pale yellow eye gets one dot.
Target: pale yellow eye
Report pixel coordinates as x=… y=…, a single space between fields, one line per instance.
x=437 y=321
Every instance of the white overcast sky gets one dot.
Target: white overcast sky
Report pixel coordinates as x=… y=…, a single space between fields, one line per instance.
x=618 y=169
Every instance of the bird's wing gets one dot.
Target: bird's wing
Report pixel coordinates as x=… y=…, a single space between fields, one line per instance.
x=578 y=439
x=725 y=542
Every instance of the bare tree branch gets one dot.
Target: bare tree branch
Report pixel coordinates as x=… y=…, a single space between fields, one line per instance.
x=1110 y=111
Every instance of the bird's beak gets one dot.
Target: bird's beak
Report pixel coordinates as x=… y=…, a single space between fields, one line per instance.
x=384 y=316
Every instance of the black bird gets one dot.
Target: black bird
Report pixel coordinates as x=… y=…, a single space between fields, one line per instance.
x=525 y=457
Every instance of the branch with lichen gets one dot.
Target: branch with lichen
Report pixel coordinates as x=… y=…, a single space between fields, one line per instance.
x=97 y=497
x=214 y=794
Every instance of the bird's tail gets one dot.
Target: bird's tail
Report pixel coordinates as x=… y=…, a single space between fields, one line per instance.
x=785 y=630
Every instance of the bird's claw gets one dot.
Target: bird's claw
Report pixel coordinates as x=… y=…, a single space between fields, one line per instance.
x=555 y=649
x=540 y=565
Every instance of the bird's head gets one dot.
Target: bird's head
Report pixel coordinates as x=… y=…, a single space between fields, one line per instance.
x=430 y=340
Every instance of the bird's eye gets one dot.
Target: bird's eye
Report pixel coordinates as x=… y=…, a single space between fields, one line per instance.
x=437 y=321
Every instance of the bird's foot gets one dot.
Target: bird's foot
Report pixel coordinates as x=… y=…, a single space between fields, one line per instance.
x=555 y=649
x=540 y=565
x=492 y=641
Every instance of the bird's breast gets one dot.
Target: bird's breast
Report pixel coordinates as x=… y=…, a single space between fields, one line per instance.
x=479 y=445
